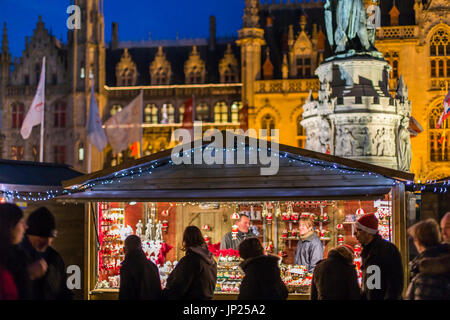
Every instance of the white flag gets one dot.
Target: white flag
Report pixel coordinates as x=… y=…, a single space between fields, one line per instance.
x=95 y=132
x=34 y=115
x=124 y=127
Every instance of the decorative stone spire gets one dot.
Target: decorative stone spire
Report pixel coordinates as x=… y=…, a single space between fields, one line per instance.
x=5 y=46
x=268 y=66
x=302 y=23
x=251 y=17
x=291 y=39
x=402 y=90
x=285 y=67
x=394 y=13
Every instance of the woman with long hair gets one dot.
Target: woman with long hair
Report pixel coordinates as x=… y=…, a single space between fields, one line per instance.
x=194 y=277
x=12 y=230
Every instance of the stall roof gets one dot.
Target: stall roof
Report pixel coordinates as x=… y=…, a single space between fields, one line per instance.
x=302 y=174
x=33 y=176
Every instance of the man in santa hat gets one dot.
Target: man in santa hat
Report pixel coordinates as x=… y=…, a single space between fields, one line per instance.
x=382 y=268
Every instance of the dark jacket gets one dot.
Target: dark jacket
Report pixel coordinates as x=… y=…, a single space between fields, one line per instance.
x=335 y=279
x=194 y=277
x=432 y=252
x=385 y=255
x=309 y=251
x=17 y=264
x=262 y=280
x=139 y=278
x=53 y=285
x=433 y=280
x=228 y=241
x=8 y=289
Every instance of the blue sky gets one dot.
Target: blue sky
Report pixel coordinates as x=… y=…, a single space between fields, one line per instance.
x=136 y=18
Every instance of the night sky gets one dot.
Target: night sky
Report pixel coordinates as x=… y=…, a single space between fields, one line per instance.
x=136 y=18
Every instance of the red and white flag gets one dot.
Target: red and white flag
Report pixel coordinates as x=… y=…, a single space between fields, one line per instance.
x=124 y=128
x=446 y=112
x=35 y=113
x=189 y=116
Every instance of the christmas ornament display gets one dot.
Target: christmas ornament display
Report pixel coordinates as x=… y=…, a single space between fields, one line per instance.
x=235 y=216
x=234 y=231
x=206 y=227
x=165 y=225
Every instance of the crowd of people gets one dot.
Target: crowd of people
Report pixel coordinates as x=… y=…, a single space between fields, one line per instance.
x=30 y=269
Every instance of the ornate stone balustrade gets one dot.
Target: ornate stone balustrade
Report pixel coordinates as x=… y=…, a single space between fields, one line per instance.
x=398 y=32
x=287 y=85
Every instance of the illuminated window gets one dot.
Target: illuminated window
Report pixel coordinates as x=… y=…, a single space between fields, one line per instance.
x=439 y=50
x=180 y=113
x=392 y=58
x=438 y=138
x=267 y=124
x=235 y=107
x=80 y=152
x=18 y=110
x=202 y=112
x=115 y=108
x=170 y=113
x=301 y=133
x=16 y=152
x=220 y=112
x=304 y=67
x=151 y=113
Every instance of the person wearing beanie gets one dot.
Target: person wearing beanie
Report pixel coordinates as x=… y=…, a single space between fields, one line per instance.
x=335 y=277
x=382 y=267
x=37 y=245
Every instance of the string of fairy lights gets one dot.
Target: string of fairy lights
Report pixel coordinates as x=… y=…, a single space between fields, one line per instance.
x=441 y=187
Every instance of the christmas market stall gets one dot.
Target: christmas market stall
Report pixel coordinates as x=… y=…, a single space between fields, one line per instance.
x=156 y=198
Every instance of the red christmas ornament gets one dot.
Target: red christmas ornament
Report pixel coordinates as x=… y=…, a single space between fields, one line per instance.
x=165 y=225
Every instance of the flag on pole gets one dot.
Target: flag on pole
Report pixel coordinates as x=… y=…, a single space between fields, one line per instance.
x=34 y=115
x=243 y=117
x=446 y=111
x=124 y=127
x=95 y=131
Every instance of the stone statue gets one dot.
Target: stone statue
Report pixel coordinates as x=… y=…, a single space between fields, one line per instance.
x=158 y=234
x=365 y=142
x=139 y=229
x=373 y=21
x=324 y=135
x=344 y=20
x=404 y=145
x=379 y=142
x=149 y=230
x=348 y=143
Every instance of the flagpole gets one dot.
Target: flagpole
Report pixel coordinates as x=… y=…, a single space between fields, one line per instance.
x=41 y=147
x=141 y=142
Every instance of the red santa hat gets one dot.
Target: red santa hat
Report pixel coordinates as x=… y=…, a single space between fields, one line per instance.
x=368 y=223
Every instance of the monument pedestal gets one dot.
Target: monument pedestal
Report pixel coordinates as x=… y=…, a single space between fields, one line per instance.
x=356 y=117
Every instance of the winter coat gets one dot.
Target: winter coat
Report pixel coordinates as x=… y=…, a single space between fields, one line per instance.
x=262 y=280
x=17 y=264
x=228 y=241
x=386 y=256
x=433 y=280
x=139 y=278
x=335 y=278
x=309 y=251
x=194 y=277
x=8 y=289
x=432 y=252
x=53 y=285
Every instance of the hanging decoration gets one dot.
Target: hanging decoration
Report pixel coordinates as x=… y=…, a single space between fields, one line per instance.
x=234 y=231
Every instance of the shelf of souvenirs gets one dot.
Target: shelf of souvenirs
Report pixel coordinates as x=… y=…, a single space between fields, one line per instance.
x=293 y=234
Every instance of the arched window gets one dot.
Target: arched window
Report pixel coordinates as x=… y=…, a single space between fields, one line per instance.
x=60 y=115
x=161 y=77
x=220 y=112
x=301 y=133
x=127 y=77
x=235 y=107
x=80 y=152
x=115 y=108
x=151 y=113
x=37 y=72
x=392 y=57
x=267 y=124
x=303 y=67
x=439 y=52
x=18 y=110
x=195 y=76
x=168 y=111
x=438 y=138
x=180 y=113
x=202 y=112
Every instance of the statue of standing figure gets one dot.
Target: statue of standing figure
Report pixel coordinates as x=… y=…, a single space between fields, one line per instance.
x=404 y=145
x=344 y=20
x=139 y=227
x=158 y=234
x=149 y=230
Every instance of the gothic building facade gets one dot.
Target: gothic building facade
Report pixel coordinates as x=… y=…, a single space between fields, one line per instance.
x=269 y=65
